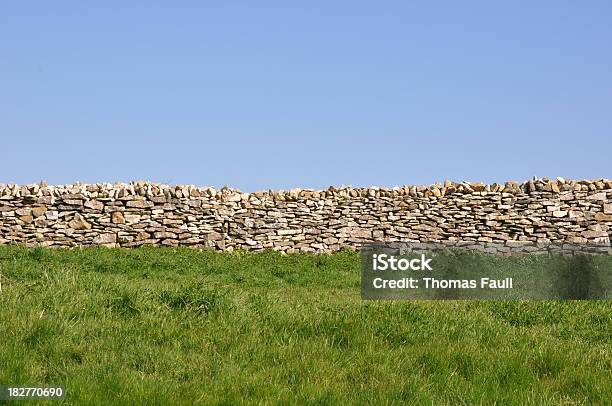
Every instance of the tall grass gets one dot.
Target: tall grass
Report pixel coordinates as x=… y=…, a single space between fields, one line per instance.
x=180 y=326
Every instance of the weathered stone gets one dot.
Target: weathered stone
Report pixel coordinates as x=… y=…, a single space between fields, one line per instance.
x=170 y=242
x=478 y=186
x=132 y=218
x=23 y=212
x=105 y=238
x=594 y=234
x=597 y=196
x=26 y=219
x=79 y=223
x=603 y=217
x=94 y=205
x=142 y=236
x=288 y=232
x=117 y=217
x=552 y=186
x=38 y=211
x=164 y=234
x=141 y=204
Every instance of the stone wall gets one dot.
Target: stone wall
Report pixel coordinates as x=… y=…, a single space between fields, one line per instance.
x=135 y=214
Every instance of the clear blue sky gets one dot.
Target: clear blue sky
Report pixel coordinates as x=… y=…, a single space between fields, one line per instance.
x=260 y=95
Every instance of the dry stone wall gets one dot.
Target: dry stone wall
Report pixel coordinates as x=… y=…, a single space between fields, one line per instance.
x=139 y=213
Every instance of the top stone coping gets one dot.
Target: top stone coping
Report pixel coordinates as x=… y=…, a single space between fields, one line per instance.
x=143 y=189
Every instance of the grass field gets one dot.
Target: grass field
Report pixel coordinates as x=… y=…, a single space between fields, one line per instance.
x=180 y=326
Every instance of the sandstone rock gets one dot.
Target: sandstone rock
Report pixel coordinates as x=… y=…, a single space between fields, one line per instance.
x=478 y=187
x=141 y=204
x=594 y=234
x=170 y=242
x=117 y=217
x=105 y=238
x=48 y=200
x=132 y=218
x=143 y=236
x=288 y=232
x=603 y=217
x=38 y=211
x=378 y=235
x=597 y=196
x=41 y=222
x=552 y=186
x=79 y=223
x=164 y=234
x=517 y=244
x=122 y=239
x=607 y=208
x=26 y=219
x=73 y=202
x=94 y=205
x=530 y=187
x=23 y=212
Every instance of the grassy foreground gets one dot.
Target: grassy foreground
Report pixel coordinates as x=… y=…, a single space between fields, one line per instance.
x=180 y=326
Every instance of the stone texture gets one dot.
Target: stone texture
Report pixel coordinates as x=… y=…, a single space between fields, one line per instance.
x=105 y=239
x=26 y=219
x=79 y=223
x=38 y=211
x=117 y=218
x=511 y=214
x=603 y=217
x=94 y=205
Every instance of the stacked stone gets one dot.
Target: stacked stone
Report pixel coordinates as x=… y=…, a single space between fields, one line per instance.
x=139 y=213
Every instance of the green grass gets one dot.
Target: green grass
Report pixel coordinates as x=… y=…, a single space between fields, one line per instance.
x=180 y=326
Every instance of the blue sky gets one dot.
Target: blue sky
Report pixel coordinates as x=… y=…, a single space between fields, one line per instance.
x=260 y=95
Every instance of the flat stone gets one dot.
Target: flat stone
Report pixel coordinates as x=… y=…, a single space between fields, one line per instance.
x=597 y=196
x=105 y=239
x=170 y=242
x=517 y=244
x=73 y=202
x=212 y=236
x=94 y=205
x=164 y=234
x=594 y=234
x=131 y=218
x=141 y=204
x=603 y=217
x=288 y=232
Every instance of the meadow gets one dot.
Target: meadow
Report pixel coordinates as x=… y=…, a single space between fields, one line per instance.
x=184 y=326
